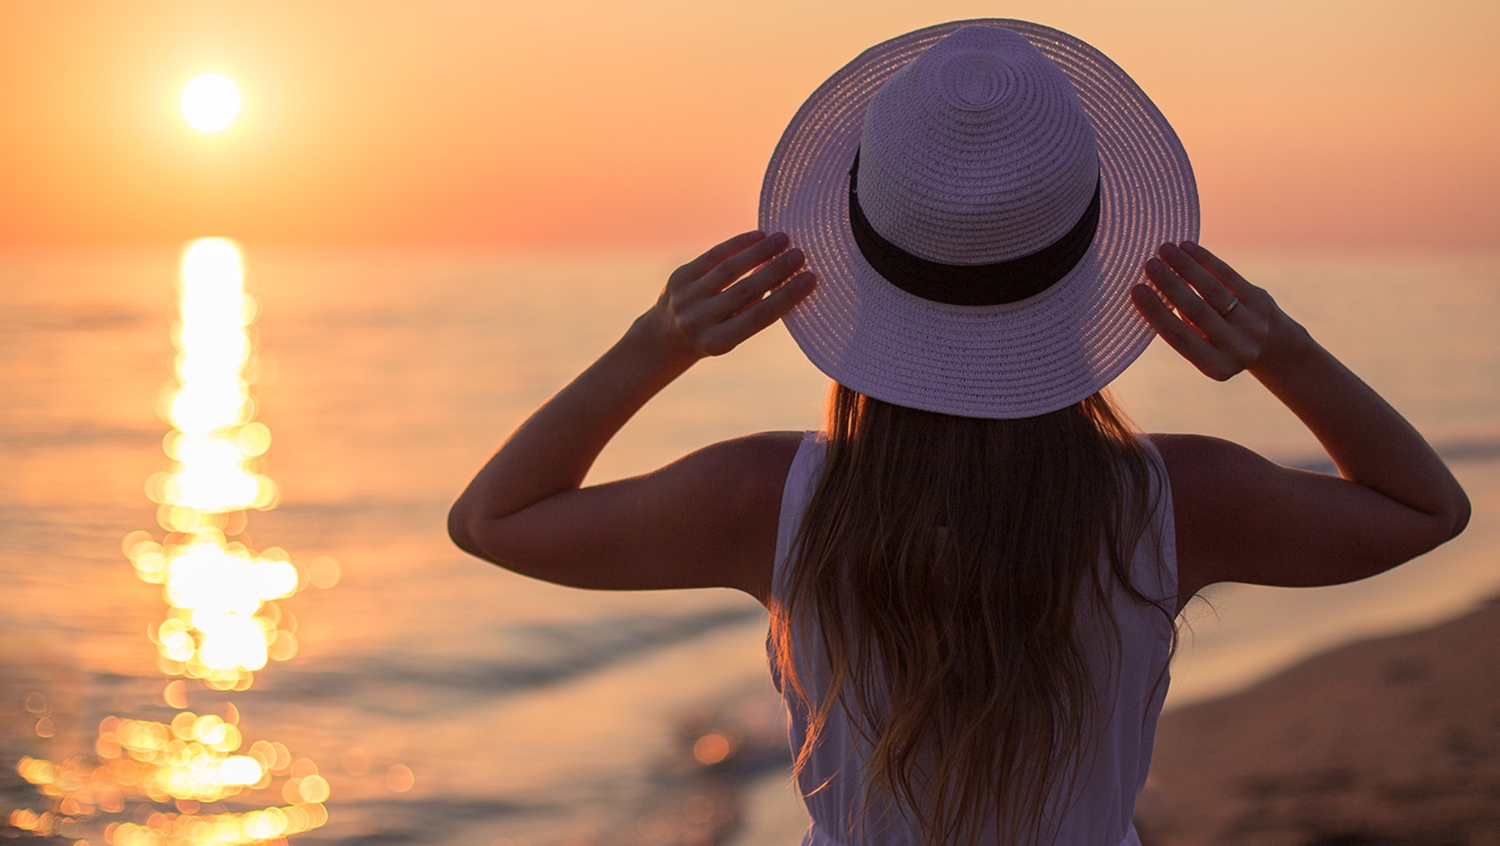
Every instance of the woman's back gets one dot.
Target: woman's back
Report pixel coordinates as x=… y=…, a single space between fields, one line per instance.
x=1131 y=683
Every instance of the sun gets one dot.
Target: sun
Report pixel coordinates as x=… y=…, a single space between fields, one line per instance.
x=210 y=102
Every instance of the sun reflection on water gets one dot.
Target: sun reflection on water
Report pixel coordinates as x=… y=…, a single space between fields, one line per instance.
x=223 y=622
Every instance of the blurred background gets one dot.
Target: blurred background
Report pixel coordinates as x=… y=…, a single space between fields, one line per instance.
x=257 y=331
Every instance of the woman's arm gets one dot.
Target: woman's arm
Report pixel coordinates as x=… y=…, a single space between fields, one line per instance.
x=701 y=521
x=1242 y=518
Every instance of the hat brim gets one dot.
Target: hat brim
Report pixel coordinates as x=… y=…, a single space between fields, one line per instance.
x=1019 y=359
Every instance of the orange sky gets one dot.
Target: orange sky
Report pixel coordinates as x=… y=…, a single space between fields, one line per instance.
x=501 y=124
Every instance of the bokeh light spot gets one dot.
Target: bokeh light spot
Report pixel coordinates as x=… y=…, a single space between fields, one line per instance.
x=324 y=572
x=400 y=778
x=712 y=748
x=175 y=693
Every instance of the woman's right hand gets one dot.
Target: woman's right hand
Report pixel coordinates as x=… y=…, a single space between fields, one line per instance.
x=705 y=520
x=716 y=301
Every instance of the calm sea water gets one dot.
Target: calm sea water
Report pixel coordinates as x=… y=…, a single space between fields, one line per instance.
x=529 y=712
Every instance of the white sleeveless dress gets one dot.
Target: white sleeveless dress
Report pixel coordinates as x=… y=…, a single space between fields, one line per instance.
x=1105 y=802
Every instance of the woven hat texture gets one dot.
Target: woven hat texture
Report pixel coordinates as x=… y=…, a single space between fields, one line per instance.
x=978 y=142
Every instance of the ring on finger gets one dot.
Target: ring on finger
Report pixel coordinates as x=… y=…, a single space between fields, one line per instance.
x=1234 y=303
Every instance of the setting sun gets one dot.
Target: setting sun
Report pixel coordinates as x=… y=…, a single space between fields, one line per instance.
x=210 y=102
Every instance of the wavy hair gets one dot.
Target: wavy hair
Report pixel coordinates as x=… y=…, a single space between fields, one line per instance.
x=947 y=563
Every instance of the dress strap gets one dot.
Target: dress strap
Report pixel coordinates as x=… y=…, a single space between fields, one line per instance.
x=801 y=482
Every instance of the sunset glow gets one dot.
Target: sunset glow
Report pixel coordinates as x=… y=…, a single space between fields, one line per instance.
x=649 y=123
x=210 y=102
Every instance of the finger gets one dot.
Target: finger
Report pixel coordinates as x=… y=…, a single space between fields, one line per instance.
x=768 y=310
x=1209 y=359
x=1235 y=340
x=696 y=268
x=733 y=267
x=755 y=286
x=1188 y=303
x=1237 y=284
x=1208 y=286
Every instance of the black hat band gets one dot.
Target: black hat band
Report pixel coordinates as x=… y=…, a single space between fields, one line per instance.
x=1006 y=281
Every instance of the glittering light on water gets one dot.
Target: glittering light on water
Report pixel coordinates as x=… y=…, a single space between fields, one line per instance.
x=190 y=761
x=224 y=622
x=217 y=441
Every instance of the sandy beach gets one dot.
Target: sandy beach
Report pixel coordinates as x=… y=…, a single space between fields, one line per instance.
x=1388 y=741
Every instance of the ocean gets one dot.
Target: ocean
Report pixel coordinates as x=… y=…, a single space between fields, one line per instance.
x=419 y=696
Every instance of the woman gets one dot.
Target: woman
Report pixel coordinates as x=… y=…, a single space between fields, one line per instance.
x=973 y=572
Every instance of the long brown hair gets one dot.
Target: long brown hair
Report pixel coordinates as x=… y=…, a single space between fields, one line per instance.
x=946 y=562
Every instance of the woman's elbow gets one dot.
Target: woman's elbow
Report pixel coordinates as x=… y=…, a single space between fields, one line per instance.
x=1441 y=525
x=1458 y=512
x=480 y=536
x=459 y=530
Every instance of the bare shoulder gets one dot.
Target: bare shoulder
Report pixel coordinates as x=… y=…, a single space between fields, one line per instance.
x=750 y=469
x=764 y=456
x=727 y=499
x=1198 y=461
x=707 y=519
x=1196 y=467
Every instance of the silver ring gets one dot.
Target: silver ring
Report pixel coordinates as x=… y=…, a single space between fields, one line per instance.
x=1234 y=303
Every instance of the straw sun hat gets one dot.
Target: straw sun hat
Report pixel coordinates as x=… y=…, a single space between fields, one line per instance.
x=976 y=199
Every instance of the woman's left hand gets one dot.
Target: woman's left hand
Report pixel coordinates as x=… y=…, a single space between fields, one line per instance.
x=1241 y=518
x=1222 y=324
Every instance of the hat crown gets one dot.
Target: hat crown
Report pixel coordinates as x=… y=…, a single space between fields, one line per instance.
x=978 y=151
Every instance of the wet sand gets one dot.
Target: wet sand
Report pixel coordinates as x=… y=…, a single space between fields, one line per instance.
x=1387 y=741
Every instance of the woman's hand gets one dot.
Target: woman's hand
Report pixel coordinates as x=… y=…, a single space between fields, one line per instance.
x=710 y=305
x=1242 y=518
x=1222 y=323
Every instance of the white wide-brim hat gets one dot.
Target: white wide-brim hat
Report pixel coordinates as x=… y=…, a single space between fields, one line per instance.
x=981 y=154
